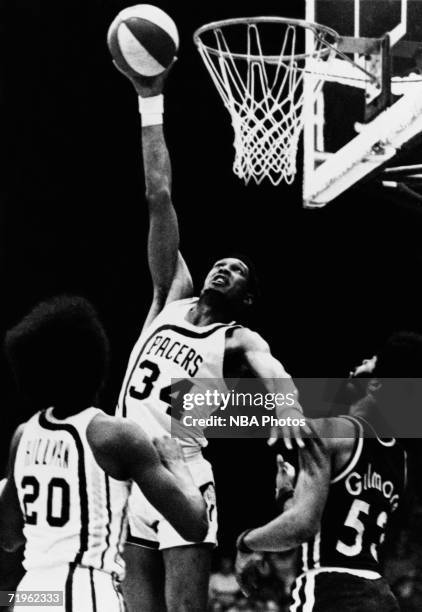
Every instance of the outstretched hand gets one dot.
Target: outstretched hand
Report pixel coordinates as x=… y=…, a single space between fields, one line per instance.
x=146 y=87
x=294 y=429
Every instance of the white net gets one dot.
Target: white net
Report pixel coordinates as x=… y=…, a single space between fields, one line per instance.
x=263 y=91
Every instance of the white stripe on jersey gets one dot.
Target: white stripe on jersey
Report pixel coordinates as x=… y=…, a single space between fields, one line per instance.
x=295 y=607
x=305 y=548
x=74 y=512
x=317 y=549
x=304 y=587
x=356 y=455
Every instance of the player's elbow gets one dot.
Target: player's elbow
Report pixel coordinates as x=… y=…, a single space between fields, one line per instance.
x=308 y=528
x=158 y=196
x=196 y=530
x=199 y=533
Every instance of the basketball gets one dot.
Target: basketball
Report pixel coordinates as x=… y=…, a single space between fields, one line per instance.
x=143 y=40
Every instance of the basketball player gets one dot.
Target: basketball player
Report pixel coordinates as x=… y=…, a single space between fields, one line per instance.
x=300 y=511
x=340 y=553
x=71 y=465
x=191 y=339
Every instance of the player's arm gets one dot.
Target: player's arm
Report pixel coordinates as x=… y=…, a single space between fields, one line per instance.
x=124 y=451
x=11 y=520
x=301 y=520
x=182 y=285
x=181 y=288
x=257 y=357
x=298 y=522
x=163 y=237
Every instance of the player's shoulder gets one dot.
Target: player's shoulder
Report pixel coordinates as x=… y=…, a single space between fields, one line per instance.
x=339 y=433
x=247 y=339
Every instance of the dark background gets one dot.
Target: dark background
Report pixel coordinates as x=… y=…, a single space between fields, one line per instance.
x=335 y=281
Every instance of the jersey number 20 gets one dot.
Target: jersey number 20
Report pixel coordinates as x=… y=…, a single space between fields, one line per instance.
x=56 y=486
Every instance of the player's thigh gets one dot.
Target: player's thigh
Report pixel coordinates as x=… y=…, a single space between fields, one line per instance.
x=143 y=586
x=187 y=571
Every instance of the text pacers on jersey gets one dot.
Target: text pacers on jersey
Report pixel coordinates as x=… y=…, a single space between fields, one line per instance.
x=182 y=354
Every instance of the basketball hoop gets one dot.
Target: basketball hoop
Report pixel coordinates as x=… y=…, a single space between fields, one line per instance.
x=257 y=65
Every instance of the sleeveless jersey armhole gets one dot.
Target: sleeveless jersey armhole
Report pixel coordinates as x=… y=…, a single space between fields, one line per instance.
x=357 y=450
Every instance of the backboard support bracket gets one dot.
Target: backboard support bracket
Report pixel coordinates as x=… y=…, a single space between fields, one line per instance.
x=380 y=142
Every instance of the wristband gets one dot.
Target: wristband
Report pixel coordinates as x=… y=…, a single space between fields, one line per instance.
x=241 y=544
x=151 y=110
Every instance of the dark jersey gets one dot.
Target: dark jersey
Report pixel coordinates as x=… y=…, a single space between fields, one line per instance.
x=361 y=501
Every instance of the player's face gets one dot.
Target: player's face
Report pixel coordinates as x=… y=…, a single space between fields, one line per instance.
x=229 y=277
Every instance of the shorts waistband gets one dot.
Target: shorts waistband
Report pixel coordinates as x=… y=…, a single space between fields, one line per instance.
x=369 y=574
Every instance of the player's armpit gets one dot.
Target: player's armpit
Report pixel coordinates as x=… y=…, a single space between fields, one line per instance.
x=181 y=288
x=182 y=285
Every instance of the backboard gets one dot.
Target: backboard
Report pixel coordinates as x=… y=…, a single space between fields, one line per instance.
x=354 y=128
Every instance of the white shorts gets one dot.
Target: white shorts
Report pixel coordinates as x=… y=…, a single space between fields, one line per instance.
x=84 y=589
x=148 y=528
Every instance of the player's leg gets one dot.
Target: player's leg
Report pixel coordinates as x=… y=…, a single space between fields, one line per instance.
x=187 y=571
x=143 y=587
x=188 y=565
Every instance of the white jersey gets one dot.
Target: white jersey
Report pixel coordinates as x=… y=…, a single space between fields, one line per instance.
x=172 y=348
x=73 y=511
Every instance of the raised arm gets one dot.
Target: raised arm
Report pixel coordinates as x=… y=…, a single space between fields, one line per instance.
x=123 y=451
x=163 y=238
x=11 y=520
x=181 y=287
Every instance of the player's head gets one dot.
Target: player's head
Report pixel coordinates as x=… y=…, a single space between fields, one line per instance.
x=400 y=357
x=234 y=279
x=59 y=354
x=397 y=386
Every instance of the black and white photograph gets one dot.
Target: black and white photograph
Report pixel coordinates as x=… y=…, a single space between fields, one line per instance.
x=211 y=329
